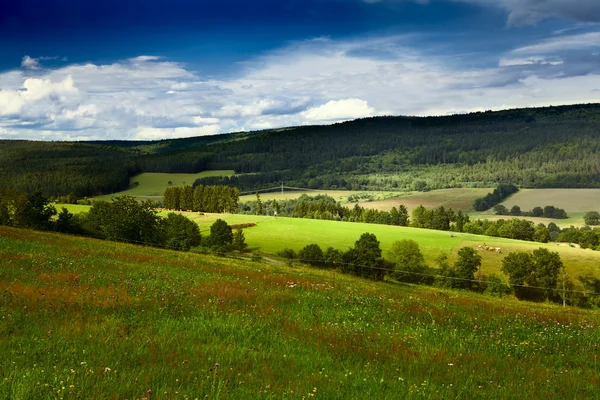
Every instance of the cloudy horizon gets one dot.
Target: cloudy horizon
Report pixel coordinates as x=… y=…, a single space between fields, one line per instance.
x=434 y=58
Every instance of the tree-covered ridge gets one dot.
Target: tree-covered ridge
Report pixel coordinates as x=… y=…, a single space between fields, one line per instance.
x=541 y=147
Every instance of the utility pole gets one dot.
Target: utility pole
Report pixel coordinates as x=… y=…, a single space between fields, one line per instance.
x=281 y=190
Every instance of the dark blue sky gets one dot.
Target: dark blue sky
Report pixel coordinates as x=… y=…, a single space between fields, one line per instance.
x=227 y=63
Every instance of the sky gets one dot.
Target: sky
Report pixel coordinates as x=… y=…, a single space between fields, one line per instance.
x=146 y=70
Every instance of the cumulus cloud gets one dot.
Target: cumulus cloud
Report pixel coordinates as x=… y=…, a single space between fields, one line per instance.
x=311 y=82
x=29 y=63
x=339 y=110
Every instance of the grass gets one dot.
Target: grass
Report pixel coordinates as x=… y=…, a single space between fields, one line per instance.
x=571 y=200
x=457 y=199
x=272 y=235
x=339 y=195
x=82 y=318
x=151 y=185
x=575 y=219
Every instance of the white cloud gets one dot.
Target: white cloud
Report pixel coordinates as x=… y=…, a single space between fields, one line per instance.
x=562 y=43
x=317 y=81
x=337 y=110
x=29 y=63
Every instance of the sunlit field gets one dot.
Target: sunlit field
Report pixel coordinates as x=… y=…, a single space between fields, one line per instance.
x=82 y=318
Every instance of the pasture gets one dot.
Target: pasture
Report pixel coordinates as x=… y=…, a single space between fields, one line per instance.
x=271 y=235
x=82 y=318
x=457 y=199
x=151 y=185
x=339 y=195
x=571 y=200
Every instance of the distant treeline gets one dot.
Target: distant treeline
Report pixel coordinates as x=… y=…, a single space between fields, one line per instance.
x=213 y=199
x=546 y=212
x=530 y=148
x=497 y=196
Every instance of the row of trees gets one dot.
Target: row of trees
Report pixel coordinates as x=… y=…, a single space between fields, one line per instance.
x=497 y=196
x=213 y=199
x=546 y=212
x=534 y=276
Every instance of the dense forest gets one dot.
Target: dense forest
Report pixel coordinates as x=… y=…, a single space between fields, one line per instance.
x=542 y=147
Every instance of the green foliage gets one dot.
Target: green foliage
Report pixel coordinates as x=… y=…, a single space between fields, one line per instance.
x=213 y=199
x=181 y=232
x=364 y=259
x=592 y=218
x=495 y=286
x=220 y=234
x=311 y=254
x=465 y=267
x=287 y=253
x=537 y=272
x=125 y=219
x=409 y=263
x=497 y=196
x=174 y=307
x=239 y=240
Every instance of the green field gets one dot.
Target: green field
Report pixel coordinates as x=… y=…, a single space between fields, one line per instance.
x=151 y=185
x=83 y=318
x=575 y=219
x=339 y=195
x=272 y=235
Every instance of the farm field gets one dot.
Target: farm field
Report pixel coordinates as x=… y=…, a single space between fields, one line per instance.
x=339 y=195
x=122 y=321
x=571 y=200
x=457 y=199
x=151 y=185
x=575 y=219
x=272 y=235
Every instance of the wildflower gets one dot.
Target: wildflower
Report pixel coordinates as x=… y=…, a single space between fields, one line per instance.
x=106 y=370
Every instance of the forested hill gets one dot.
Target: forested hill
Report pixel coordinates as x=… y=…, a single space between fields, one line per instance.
x=542 y=147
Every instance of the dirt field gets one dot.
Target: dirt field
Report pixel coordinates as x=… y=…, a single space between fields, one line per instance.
x=571 y=200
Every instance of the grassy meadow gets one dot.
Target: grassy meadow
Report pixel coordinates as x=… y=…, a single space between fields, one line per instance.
x=339 y=195
x=82 y=318
x=457 y=199
x=152 y=185
x=271 y=235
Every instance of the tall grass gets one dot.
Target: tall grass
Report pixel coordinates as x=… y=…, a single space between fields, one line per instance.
x=82 y=318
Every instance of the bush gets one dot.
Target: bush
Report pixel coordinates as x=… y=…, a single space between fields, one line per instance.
x=287 y=253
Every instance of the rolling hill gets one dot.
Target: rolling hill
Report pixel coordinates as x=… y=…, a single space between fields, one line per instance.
x=121 y=321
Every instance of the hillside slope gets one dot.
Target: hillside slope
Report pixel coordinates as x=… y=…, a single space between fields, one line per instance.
x=543 y=147
x=83 y=318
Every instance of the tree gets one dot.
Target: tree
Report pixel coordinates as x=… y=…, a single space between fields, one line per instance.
x=533 y=275
x=259 y=205
x=332 y=256
x=37 y=213
x=467 y=264
x=515 y=210
x=127 y=220
x=500 y=209
x=409 y=263
x=537 y=212
x=65 y=222
x=364 y=259
x=187 y=198
x=181 y=232
x=541 y=234
x=588 y=239
x=592 y=218
x=220 y=234
x=239 y=240
x=311 y=254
